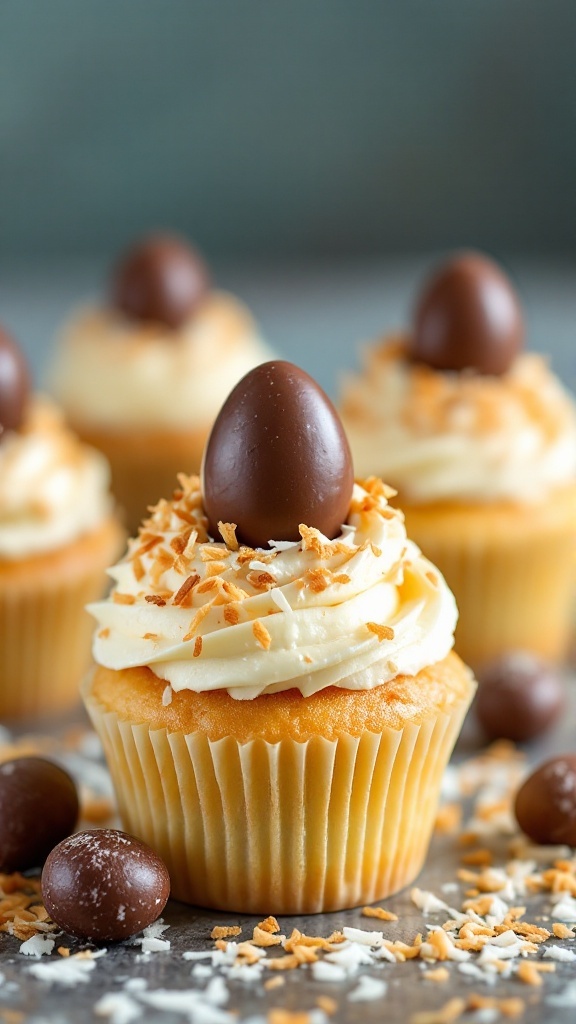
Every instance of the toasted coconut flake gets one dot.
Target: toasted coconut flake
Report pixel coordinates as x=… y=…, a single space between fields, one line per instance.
x=155 y=599
x=232 y=592
x=451 y=1011
x=231 y=615
x=282 y=963
x=562 y=931
x=223 y=931
x=263 y=638
x=119 y=598
x=138 y=568
x=438 y=975
x=197 y=620
x=448 y=819
x=277 y=1016
x=147 y=543
x=261 y=580
x=477 y=858
x=215 y=569
x=276 y=982
x=317 y=580
x=327 y=1004
x=312 y=540
x=228 y=533
x=207 y=586
x=270 y=924
x=382 y=632
x=104 y=633
x=213 y=552
x=181 y=594
x=197 y=647
x=266 y=938
x=305 y=954
x=380 y=913
x=531 y=973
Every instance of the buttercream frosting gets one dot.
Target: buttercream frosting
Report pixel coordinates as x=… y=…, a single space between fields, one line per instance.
x=112 y=372
x=53 y=489
x=460 y=436
x=352 y=612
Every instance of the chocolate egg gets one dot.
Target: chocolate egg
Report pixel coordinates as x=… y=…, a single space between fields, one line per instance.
x=104 y=885
x=468 y=317
x=162 y=279
x=277 y=457
x=14 y=384
x=38 y=808
x=545 y=804
x=519 y=697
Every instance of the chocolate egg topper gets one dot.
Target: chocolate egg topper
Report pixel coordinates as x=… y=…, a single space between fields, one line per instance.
x=14 y=384
x=545 y=805
x=277 y=457
x=38 y=808
x=104 y=885
x=467 y=318
x=160 y=280
x=519 y=697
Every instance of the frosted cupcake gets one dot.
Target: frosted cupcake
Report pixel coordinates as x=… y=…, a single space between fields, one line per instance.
x=479 y=438
x=277 y=714
x=57 y=536
x=142 y=377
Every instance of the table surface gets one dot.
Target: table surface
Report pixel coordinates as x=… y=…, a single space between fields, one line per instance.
x=189 y=929
x=313 y=316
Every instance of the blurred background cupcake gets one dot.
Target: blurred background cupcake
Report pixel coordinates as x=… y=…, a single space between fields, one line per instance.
x=479 y=438
x=142 y=376
x=57 y=536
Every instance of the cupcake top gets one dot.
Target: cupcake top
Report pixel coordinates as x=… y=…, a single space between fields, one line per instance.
x=351 y=607
x=53 y=489
x=163 y=352
x=455 y=410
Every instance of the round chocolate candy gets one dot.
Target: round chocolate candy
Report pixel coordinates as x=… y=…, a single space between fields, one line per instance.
x=468 y=317
x=519 y=697
x=104 y=885
x=277 y=457
x=545 y=805
x=38 y=808
x=14 y=384
x=162 y=279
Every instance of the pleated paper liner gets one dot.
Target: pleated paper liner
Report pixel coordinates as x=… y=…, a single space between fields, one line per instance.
x=512 y=569
x=284 y=827
x=45 y=631
x=145 y=464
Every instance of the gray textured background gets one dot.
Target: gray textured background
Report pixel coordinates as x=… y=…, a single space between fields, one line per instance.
x=269 y=128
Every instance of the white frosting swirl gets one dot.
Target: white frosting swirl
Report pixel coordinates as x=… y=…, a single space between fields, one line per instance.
x=112 y=372
x=53 y=489
x=353 y=612
x=460 y=436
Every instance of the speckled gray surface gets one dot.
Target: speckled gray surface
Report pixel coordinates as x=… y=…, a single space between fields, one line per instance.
x=189 y=929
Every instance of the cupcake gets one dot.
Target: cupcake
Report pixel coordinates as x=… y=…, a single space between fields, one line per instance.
x=142 y=377
x=57 y=536
x=479 y=439
x=277 y=714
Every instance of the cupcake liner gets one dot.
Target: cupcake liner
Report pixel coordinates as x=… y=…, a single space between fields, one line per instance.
x=512 y=571
x=286 y=827
x=45 y=632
